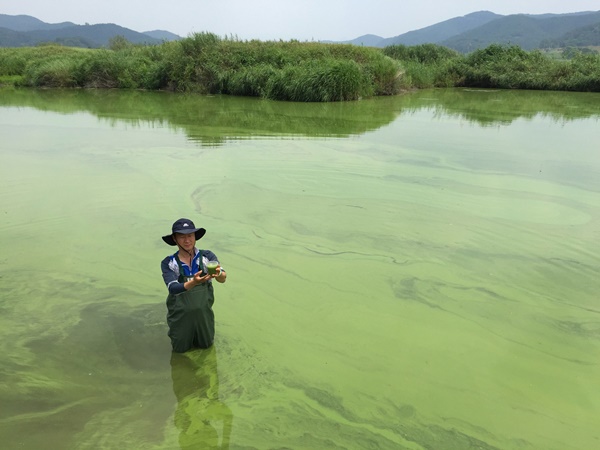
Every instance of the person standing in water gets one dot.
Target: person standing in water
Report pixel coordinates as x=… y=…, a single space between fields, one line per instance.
x=188 y=275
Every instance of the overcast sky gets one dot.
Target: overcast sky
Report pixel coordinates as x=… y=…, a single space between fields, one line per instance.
x=305 y=20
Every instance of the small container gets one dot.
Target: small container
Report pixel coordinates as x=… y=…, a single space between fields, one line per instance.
x=211 y=266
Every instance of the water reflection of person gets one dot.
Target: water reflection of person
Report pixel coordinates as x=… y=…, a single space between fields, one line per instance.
x=204 y=421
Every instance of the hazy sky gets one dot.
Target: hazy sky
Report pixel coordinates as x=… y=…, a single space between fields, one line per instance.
x=304 y=20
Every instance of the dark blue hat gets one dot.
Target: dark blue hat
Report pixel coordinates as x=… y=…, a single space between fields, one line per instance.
x=183 y=226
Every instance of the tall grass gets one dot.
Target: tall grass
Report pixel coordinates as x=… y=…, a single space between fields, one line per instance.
x=14 y=61
x=205 y=63
x=425 y=65
x=280 y=70
x=497 y=66
x=323 y=81
x=510 y=67
x=292 y=70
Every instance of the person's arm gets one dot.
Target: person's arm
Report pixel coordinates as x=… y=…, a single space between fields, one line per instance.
x=171 y=277
x=221 y=277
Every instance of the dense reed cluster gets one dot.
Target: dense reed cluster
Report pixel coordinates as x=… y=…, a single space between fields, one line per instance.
x=294 y=71
x=510 y=67
x=497 y=66
x=208 y=64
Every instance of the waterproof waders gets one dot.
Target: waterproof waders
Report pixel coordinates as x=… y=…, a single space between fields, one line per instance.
x=190 y=316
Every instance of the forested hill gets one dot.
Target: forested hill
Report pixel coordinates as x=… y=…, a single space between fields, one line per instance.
x=480 y=29
x=581 y=37
x=162 y=35
x=21 y=31
x=465 y=34
x=443 y=30
x=28 y=23
x=528 y=32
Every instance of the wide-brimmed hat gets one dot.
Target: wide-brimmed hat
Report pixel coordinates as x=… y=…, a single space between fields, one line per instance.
x=183 y=226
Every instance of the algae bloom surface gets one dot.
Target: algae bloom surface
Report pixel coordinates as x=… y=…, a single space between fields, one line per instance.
x=416 y=272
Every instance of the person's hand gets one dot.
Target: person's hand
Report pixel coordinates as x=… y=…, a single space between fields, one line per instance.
x=217 y=273
x=199 y=278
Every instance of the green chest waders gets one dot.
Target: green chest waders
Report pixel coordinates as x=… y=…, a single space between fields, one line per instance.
x=190 y=316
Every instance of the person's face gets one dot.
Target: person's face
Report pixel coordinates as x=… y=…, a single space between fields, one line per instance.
x=186 y=241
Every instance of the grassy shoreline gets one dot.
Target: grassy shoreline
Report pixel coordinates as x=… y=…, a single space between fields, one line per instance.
x=293 y=71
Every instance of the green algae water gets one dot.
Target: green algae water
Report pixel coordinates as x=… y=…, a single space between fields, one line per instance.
x=416 y=272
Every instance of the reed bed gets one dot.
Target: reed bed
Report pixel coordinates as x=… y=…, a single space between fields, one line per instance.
x=205 y=63
x=499 y=67
x=293 y=70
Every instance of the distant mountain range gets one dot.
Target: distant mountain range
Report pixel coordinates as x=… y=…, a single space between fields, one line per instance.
x=464 y=34
x=480 y=29
x=22 y=31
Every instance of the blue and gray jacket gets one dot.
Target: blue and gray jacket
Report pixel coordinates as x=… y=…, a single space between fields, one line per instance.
x=171 y=274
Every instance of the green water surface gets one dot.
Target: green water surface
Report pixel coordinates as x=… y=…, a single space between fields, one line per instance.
x=416 y=272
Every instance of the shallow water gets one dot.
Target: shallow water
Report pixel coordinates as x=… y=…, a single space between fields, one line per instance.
x=417 y=272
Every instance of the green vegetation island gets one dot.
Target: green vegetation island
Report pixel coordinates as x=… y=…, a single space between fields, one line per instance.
x=294 y=71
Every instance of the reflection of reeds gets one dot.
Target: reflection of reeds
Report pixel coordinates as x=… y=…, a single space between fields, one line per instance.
x=489 y=107
x=212 y=120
